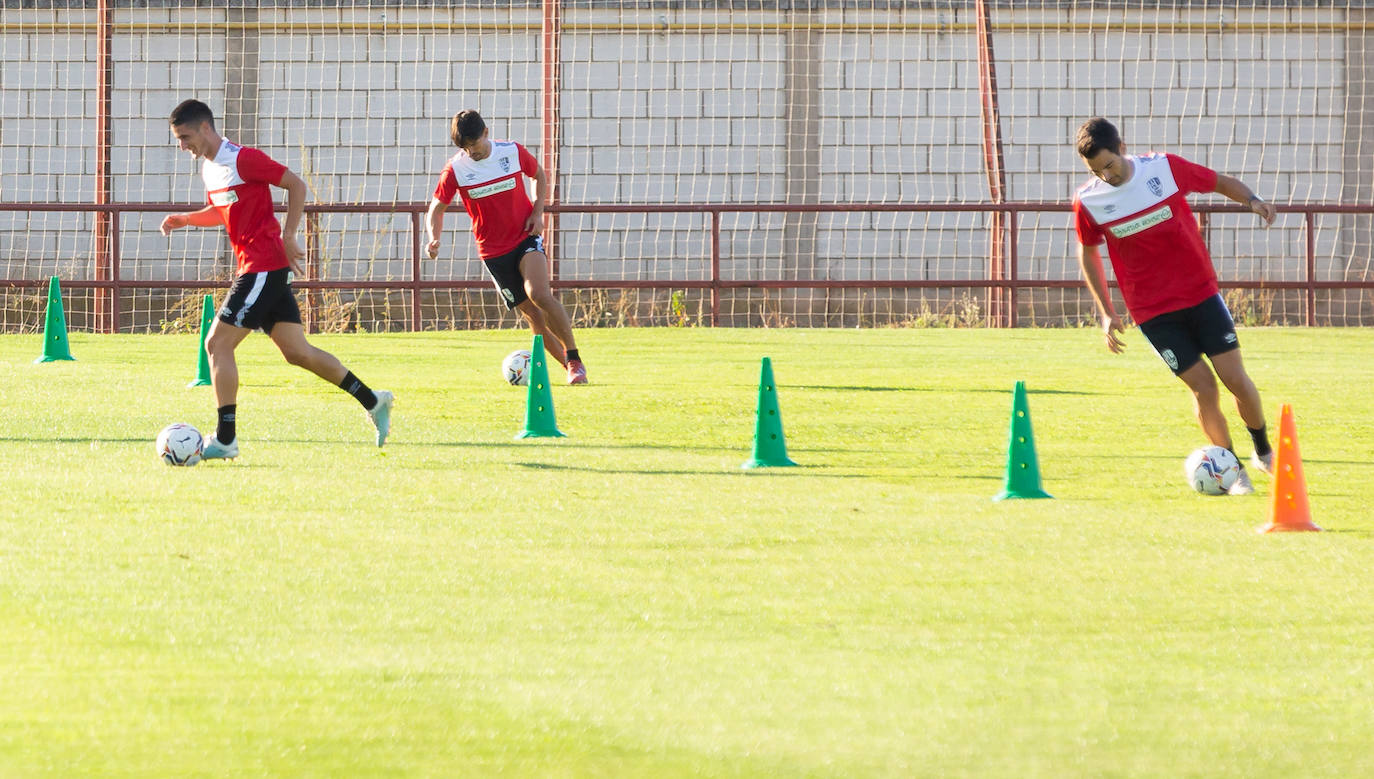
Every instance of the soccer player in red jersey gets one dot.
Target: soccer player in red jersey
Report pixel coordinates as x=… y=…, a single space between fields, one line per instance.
x=1137 y=205
x=490 y=177
x=237 y=180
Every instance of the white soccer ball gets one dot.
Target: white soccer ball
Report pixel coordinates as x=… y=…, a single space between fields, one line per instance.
x=516 y=367
x=180 y=444
x=1211 y=470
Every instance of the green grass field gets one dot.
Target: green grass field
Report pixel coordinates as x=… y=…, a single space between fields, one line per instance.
x=628 y=602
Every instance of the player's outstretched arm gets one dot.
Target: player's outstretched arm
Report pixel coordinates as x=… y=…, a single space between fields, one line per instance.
x=434 y=226
x=205 y=217
x=295 y=208
x=1090 y=260
x=1236 y=190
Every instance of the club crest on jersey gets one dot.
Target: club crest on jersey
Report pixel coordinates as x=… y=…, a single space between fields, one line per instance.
x=505 y=164
x=1156 y=186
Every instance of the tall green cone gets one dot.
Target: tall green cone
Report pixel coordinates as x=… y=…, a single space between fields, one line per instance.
x=207 y=315
x=55 y=327
x=1023 y=469
x=770 y=449
x=539 y=421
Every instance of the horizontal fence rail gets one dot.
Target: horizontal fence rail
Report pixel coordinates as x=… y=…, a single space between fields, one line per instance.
x=1008 y=281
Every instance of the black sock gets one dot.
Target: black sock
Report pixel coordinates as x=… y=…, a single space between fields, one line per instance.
x=572 y=355
x=224 y=430
x=355 y=387
x=1261 y=439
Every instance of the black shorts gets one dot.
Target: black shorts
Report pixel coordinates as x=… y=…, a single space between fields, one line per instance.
x=258 y=301
x=1181 y=337
x=505 y=271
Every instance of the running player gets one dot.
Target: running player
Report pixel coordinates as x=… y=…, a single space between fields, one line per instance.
x=236 y=183
x=490 y=177
x=1137 y=204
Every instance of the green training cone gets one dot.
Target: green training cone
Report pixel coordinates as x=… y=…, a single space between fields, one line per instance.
x=539 y=421
x=207 y=315
x=770 y=449
x=1023 y=470
x=55 y=327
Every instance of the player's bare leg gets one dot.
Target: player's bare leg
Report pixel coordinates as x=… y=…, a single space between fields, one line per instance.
x=1231 y=370
x=290 y=339
x=1207 y=403
x=220 y=344
x=1207 y=400
x=534 y=266
x=1232 y=373
x=535 y=318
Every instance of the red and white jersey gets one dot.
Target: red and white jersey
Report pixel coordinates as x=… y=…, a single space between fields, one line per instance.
x=238 y=184
x=1155 y=246
x=494 y=194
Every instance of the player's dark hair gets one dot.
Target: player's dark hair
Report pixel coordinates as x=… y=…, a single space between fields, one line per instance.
x=192 y=112
x=1097 y=134
x=467 y=128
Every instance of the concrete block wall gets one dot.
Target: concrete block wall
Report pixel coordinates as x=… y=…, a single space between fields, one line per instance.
x=652 y=116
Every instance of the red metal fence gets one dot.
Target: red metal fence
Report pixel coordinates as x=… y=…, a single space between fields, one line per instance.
x=1004 y=281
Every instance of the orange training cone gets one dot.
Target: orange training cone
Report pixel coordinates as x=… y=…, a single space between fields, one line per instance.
x=1291 y=512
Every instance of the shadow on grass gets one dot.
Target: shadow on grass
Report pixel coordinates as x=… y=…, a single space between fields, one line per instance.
x=742 y=451
x=952 y=390
x=74 y=440
x=727 y=471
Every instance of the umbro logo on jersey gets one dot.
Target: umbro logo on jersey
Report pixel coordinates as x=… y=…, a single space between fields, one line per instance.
x=469 y=176
x=1110 y=208
x=1156 y=186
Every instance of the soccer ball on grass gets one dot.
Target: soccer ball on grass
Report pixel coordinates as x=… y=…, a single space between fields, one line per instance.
x=1211 y=470
x=516 y=367
x=180 y=444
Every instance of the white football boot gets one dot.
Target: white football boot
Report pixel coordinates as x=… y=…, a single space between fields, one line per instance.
x=380 y=414
x=214 y=450
x=1242 y=485
x=1265 y=463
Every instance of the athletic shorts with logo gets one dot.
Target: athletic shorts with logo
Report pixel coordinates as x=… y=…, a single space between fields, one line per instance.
x=505 y=271
x=260 y=300
x=1181 y=337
